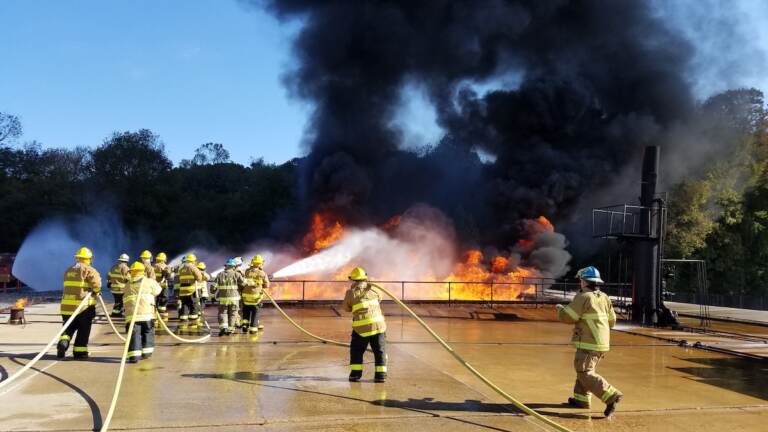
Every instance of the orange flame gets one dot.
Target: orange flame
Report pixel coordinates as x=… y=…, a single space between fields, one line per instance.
x=20 y=303
x=474 y=278
x=324 y=232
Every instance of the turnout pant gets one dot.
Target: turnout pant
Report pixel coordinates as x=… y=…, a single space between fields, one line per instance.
x=162 y=302
x=357 y=347
x=251 y=317
x=80 y=329
x=142 y=343
x=228 y=315
x=588 y=382
x=117 y=309
x=188 y=310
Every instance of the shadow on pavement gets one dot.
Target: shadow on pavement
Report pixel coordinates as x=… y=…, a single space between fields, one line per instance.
x=741 y=375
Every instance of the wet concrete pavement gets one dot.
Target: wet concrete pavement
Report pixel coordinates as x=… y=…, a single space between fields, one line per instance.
x=281 y=380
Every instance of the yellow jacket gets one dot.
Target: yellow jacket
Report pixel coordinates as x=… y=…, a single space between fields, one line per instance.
x=149 y=290
x=364 y=303
x=79 y=279
x=593 y=316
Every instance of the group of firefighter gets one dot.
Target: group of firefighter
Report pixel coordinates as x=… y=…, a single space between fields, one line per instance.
x=233 y=289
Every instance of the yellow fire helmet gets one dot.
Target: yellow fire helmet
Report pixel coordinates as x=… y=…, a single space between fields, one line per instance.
x=84 y=253
x=201 y=265
x=191 y=258
x=161 y=257
x=257 y=260
x=358 y=274
x=137 y=268
x=147 y=255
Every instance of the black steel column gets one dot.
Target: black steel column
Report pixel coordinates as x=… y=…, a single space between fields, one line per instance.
x=646 y=296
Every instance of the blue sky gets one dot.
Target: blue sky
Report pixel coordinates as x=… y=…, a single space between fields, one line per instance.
x=207 y=71
x=196 y=71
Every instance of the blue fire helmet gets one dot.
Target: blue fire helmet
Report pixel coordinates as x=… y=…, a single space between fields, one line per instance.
x=231 y=262
x=590 y=274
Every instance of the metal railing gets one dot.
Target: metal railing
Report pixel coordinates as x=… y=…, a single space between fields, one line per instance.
x=527 y=290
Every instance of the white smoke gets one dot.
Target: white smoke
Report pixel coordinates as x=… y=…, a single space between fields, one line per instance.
x=421 y=247
x=49 y=249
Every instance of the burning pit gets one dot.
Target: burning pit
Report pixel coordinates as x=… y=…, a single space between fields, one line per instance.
x=417 y=255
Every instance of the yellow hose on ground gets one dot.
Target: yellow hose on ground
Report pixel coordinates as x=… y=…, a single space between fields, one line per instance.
x=50 y=344
x=106 y=312
x=302 y=329
x=119 y=383
x=474 y=371
x=180 y=339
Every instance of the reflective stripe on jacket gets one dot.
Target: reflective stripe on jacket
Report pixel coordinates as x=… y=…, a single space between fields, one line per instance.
x=592 y=314
x=79 y=279
x=146 y=307
x=253 y=293
x=162 y=273
x=117 y=277
x=228 y=283
x=189 y=275
x=364 y=303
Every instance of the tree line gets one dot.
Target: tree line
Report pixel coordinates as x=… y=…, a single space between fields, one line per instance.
x=206 y=200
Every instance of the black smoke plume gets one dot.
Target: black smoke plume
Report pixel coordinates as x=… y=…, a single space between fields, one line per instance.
x=594 y=82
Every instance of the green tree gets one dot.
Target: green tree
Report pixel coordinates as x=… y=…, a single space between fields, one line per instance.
x=10 y=128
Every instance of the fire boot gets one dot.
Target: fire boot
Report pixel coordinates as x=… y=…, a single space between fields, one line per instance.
x=611 y=407
x=62 y=346
x=80 y=353
x=222 y=331
x=355 y=375
x=380 y=377
x=577 y=403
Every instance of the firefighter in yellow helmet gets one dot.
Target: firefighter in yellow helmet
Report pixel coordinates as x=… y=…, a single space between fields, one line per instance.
x=146 y=259
x=203 y=292
x=142 y=343
x=163 y=275
x=368 y=326
x=189 y=277
x=117 y=277
x=79 y=280
x=592 y=314
x=253 y=294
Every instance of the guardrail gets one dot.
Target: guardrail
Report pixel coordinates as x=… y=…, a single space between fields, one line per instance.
x=527 y=290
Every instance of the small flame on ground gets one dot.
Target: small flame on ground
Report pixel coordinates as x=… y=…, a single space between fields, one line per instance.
x=20 y=303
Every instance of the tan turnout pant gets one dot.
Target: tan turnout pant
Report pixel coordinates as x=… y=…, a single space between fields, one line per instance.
x=588 y=382
x=229 y=315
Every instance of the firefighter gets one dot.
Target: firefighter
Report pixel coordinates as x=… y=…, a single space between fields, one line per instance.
x=142 y=343
x=592 y=314
x=163 y=275
x=368 y=326
x=253 y=294
x=79 y=280
x=146 y=259
x=202 y=289
x=117 y=277
x=228 y=284
x=189 y=277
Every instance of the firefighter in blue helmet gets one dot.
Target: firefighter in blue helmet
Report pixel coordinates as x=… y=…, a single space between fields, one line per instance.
x=592 y=314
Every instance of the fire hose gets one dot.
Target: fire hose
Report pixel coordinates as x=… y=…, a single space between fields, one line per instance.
x=178 y=338
x=447 y=347
x=50 y=344
x=471 y=368
x=119 y=382
x=106 y=312
x=302 y=329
